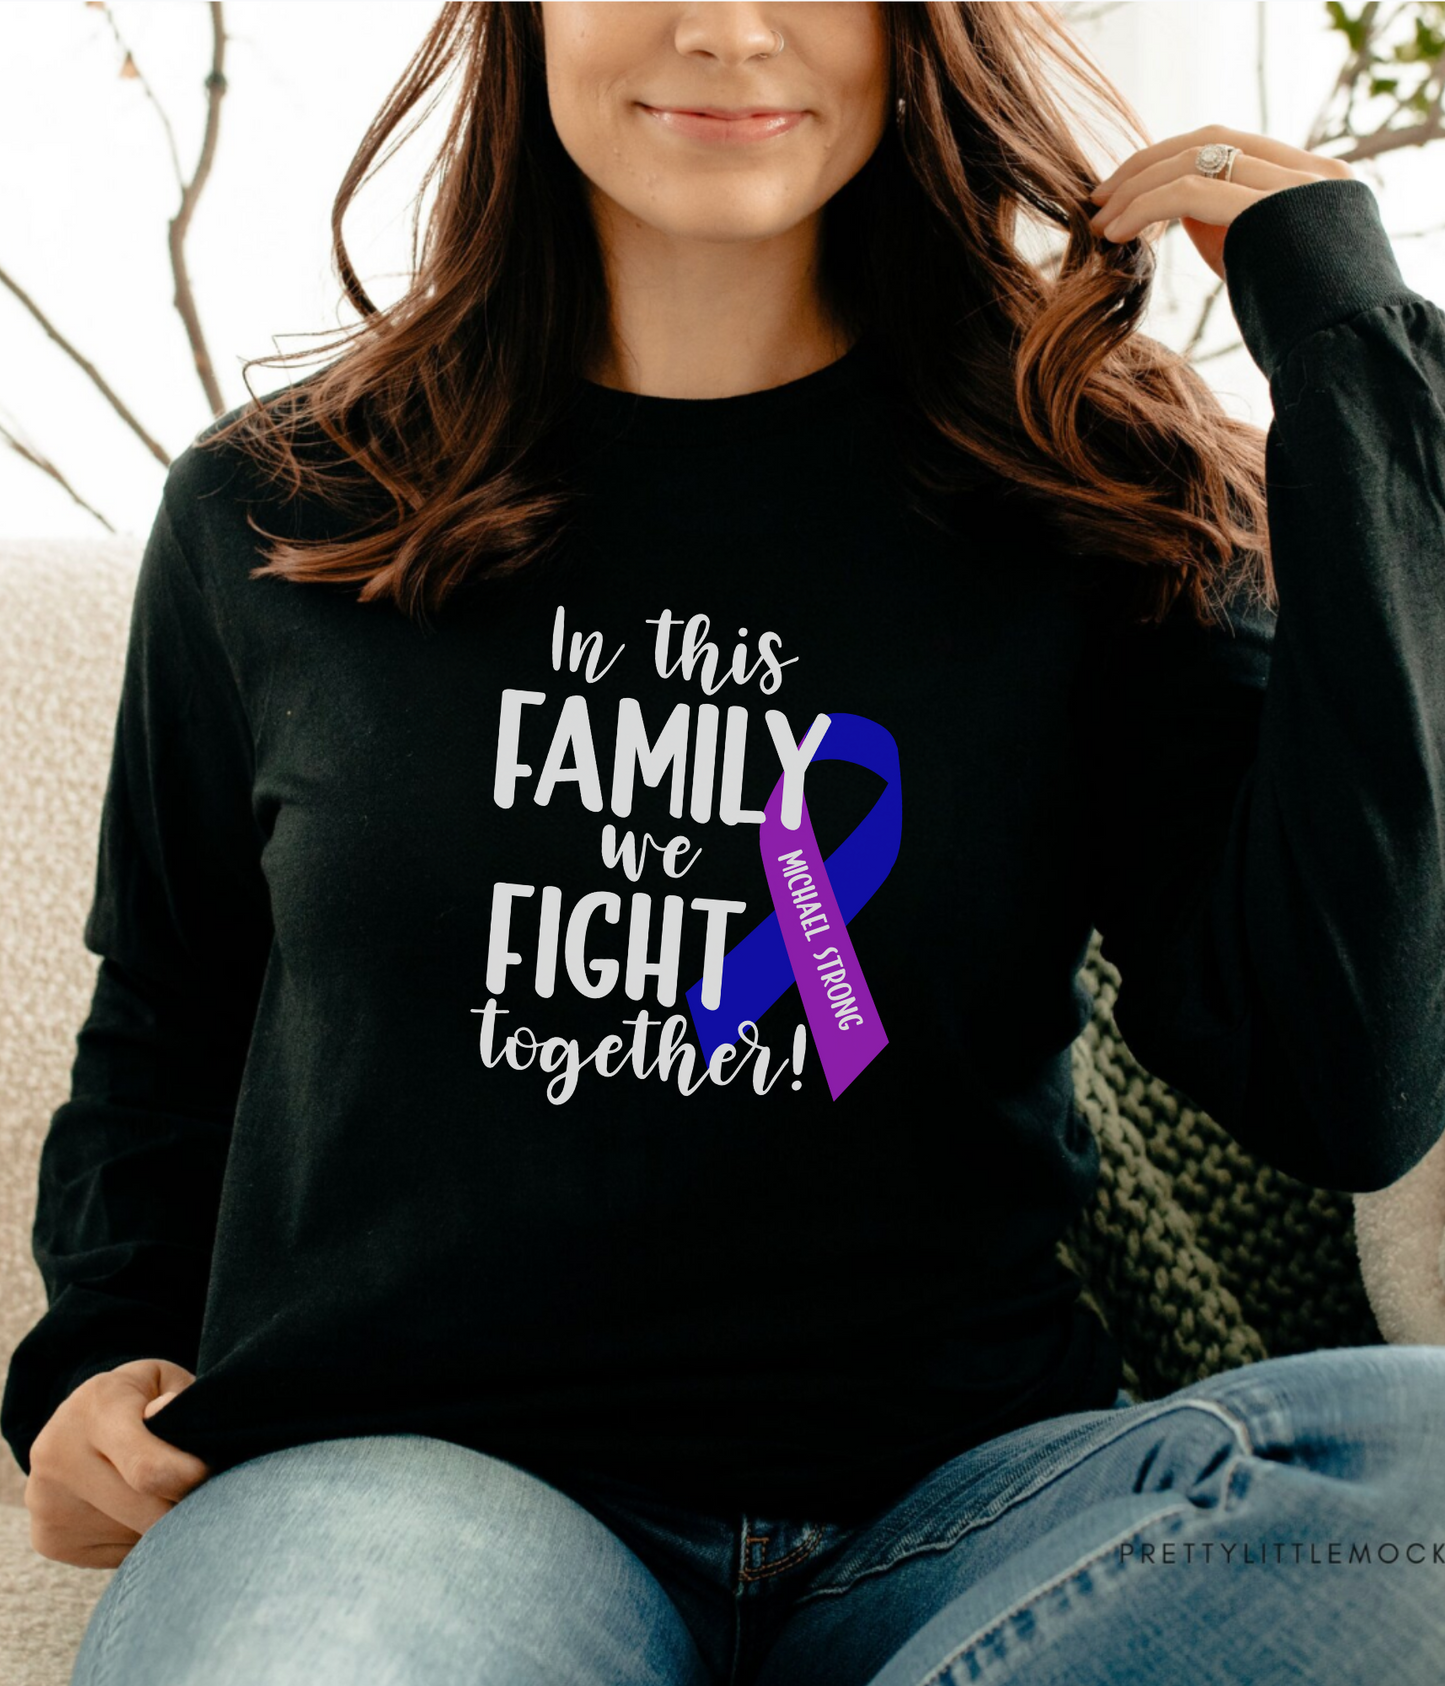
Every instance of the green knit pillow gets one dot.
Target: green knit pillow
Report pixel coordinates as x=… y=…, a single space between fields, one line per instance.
x=1198 y=1257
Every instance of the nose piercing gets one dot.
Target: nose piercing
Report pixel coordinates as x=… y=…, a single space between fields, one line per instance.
x=776 y=50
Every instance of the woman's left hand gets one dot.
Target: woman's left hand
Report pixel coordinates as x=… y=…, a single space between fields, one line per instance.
x=1160 y=182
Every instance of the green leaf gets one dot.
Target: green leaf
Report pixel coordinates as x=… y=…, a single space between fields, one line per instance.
x=1353 y=29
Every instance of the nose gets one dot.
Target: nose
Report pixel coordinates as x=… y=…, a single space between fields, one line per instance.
x=732 y=34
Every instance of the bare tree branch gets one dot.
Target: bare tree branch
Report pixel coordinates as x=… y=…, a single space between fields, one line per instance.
x=1379 y=68
x=1395 y=140
x=1261 y=64
x=37 y=459
x=1261 y=76
x=1366 y=36
x=1076 y=12
x=149 y=92
x=1346 y=81
x=1219 y=351
x=88 y=369
x=185 y=298
x=1216 y=292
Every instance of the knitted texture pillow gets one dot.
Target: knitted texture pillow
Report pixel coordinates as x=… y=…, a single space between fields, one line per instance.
x=1197 y=1256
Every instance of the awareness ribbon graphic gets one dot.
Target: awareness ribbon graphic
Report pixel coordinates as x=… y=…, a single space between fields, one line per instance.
x=758 y=969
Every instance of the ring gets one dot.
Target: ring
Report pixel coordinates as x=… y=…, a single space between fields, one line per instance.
x=1216 y=159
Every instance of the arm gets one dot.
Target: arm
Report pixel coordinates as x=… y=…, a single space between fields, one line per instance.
x=131 y=1167
x=1278 y=914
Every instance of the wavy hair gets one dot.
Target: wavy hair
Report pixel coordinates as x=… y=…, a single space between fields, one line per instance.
x=442 y=410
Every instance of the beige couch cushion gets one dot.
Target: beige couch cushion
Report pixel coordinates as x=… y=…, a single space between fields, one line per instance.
x=44 y=1607
x=64 y=614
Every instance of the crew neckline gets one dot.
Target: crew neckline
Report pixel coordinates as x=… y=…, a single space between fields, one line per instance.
x=648 y=418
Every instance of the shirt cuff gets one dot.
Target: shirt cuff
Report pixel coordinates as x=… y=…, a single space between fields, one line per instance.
x=1305 y=258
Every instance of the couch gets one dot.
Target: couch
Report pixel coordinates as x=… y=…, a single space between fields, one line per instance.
x=1197 y=1256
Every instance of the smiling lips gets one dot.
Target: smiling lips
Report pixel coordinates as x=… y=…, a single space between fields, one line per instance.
x=712 y=123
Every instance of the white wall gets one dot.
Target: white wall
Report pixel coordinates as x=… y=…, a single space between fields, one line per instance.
x=86 y=191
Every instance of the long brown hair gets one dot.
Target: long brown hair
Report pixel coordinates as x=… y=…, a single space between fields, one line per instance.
x=440 y=409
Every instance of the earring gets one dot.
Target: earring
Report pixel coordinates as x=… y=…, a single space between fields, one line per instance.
x=899 y=110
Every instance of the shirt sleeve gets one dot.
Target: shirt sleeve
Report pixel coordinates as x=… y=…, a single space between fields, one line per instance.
x=132 y=1163
x=1268 y=863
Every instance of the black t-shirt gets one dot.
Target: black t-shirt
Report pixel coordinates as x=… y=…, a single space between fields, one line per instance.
x=624 y=1024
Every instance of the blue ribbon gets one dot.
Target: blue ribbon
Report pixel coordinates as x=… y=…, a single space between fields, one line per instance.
x=757 y=970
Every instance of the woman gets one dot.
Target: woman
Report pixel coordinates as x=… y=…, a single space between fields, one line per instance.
x=528 y=1266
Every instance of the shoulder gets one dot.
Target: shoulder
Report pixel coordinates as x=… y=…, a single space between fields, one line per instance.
x=225 y=498
x=213 y=481
x=220 y=470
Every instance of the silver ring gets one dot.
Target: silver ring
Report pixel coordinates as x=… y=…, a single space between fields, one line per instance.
x=1216 y=159
x=776 y=50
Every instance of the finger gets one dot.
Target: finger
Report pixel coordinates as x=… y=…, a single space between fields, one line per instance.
x=1263 y=147
x=1257 y=173
x=148 y=1464
x=120 y=1407
x=70 y=1529
x=92 y=1505
x=175 y=1377
x=1198 y=197
x=155 y=1374
x=101 y=1484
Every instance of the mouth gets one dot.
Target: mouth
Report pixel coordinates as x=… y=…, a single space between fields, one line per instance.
x=728 y=125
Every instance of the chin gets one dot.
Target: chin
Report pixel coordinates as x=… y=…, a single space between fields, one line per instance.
x=709 y=211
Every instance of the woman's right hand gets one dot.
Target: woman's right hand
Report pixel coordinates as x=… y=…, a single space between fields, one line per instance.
x=98 y=1476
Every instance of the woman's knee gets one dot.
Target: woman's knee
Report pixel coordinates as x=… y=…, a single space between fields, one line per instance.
x=393 y=1558
x=1406 y=1381
x=1368 y=1413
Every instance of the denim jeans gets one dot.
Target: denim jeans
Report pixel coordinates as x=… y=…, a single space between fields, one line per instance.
x=1284 y=1521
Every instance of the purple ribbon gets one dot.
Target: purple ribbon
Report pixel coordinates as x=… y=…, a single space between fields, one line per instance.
x=805 y=939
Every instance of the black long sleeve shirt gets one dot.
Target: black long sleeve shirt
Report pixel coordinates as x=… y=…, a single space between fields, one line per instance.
x=624 y=1025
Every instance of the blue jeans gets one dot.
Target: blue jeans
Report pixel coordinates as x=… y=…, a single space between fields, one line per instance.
x=1282 y=1522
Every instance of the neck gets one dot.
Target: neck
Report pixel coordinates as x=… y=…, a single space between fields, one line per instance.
x=710 y=319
